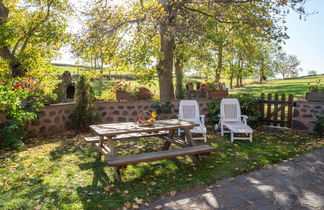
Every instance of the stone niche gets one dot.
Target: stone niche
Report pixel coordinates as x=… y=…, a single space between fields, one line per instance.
x=66 y=88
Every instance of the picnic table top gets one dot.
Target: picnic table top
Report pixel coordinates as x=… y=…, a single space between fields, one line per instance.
x=114 y=129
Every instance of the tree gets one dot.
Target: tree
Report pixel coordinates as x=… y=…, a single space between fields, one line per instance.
x=312 y=72
x=31 y=33
x=84 y=113
x=288 y=65
x=164 y=20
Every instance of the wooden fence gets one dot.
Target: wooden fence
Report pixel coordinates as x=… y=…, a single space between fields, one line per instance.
x=277 y=110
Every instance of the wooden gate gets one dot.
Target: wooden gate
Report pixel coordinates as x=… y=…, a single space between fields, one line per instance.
x=277 y=111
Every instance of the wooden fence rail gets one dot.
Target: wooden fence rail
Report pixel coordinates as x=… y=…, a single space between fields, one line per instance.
x=277 y=110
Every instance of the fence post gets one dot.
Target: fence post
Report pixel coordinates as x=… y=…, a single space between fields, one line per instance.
x=282 y=118
x=269 y=108
x=276 y=111
x=290 y=110
x=262 y=107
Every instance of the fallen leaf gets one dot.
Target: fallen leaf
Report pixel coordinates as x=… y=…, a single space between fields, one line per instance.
x=158 y=207
x=135 y=206
x=125 y=192
x=99 y=206
x=275 y=165
x=173 y=193
x=139 y=201
x=153 y=183
x=128 y=204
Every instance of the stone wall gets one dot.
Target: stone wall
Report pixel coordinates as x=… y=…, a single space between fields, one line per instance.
x=304 y=115
x=55 y=118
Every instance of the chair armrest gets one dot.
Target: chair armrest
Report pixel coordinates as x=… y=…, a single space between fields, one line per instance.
x=202 y=120
x=244 y=117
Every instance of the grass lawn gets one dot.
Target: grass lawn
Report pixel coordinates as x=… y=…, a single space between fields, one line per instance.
x=61 y=171
x=297 y=87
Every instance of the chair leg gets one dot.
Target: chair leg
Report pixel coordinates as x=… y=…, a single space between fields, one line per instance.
x=232 y=136
x=250 y=137
x=222 y=130
x=205 y=137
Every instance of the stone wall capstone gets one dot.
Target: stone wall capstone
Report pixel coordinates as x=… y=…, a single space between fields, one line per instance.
x=304 y=115
x=55 y=118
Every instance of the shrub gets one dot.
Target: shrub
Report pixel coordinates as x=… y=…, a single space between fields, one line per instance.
x=143 y=93
x=20 y=99
x=84 y=112
x=249 y=106
x=319 y=123
x=162 y=107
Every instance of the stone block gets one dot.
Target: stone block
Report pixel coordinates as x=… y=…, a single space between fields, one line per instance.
x=298 y=125
x=125 y=113
x=103 y=114
x=121 y=119
x=47 y=120
x=52 y=113
x=296 y=113
x=100 y=108
x=57 y=119
x=120 y=107
x=116 y=112
x=109 y=119
x=130 y=107
x=134 y=113
x=35 y=122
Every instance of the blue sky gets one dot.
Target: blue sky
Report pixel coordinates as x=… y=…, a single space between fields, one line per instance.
x=307 y=37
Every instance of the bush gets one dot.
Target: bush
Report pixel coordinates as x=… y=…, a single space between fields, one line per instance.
x=143 y=93
x=249 y=106
x=20 y=100
x=84 y=113
x=319 y=123
x=162 y=107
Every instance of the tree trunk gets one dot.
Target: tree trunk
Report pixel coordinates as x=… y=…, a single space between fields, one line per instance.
x=179 y=78
x=241 y=81
x=261 y=74
x=219 y=63
x=165 y=65
x=237 y=81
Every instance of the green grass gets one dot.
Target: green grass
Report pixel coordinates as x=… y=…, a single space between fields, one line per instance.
x=297 y=87
x=61 y=171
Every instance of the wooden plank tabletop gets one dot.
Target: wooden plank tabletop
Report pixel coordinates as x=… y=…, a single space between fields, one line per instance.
x=132 y=127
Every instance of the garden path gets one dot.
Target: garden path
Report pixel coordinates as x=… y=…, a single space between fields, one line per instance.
x=294 y=184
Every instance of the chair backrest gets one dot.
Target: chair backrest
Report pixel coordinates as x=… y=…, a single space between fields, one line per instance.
x=189 y=110
x=230 y=110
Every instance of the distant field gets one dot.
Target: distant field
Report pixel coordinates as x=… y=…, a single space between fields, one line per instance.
x=298 y=87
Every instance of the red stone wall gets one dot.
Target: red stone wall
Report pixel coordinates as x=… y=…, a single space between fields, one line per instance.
x=55 y=118
x=304 y=116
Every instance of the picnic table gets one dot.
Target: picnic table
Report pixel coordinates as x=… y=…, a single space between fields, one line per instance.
x=107 y=134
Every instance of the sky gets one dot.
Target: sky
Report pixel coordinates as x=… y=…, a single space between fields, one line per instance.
x=306 y=39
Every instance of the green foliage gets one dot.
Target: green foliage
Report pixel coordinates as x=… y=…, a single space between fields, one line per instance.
x=84 y=112
x=249 y=106
x=20 y=99
x=319 y=123
x=162 y=107
x=31 y=34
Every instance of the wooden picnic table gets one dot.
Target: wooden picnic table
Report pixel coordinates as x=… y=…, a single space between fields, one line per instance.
x=162 y=128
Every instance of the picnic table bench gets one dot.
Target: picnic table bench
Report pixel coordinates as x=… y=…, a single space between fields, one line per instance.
x=165 y=129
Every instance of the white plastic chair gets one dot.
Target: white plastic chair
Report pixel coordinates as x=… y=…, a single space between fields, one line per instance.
x=231 y=121
x=189 y=110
